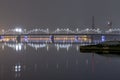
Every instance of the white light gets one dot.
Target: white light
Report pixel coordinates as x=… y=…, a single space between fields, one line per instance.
x=17 y=68
x=3 y=30
x=36 y=29
x=77 y=29
x=67 y=29
x=58 y=29
x=87 y=29
x=18 y=30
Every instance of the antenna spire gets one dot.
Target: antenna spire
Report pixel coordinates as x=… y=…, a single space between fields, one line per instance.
x=109 y=24
x=93 y=22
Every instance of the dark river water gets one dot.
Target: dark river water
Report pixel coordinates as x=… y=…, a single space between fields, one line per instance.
x=55 y=62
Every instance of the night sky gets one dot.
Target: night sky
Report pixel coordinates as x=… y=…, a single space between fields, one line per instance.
x=58 y=13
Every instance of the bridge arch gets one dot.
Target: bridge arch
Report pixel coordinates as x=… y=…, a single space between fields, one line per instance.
x=38 y=31
x=13 y=31
x=63 y=31
x=113 y=31
x=90 y=31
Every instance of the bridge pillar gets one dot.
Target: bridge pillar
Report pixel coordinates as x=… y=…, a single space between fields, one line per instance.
x=1 y=37
x=102 y=38
x=92 y=39
x=52 y=38
x=76 y=38
x=26 y=38
x=18 y=38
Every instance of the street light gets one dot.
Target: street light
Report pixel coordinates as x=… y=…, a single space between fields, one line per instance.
x=18 y=30
x=3 y=31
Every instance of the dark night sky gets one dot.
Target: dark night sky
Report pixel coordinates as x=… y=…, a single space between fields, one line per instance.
x=62 y=13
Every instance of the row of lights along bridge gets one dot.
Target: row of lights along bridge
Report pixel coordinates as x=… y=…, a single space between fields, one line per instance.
x=60 y=31
x=92 y=30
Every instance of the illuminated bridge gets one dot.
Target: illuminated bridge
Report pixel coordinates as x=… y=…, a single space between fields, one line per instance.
x=66 y=31
x=74 y=35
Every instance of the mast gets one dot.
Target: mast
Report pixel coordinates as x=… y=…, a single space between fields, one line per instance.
x=93 y=22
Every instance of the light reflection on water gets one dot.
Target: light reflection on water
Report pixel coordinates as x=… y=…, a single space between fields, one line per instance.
x=21 y=46
x=54 y=62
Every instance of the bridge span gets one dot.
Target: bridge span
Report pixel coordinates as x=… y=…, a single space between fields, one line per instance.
x=94 y=34
x=81 y=37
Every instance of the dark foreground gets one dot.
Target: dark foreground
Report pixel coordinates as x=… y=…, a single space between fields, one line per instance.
x=104 y=47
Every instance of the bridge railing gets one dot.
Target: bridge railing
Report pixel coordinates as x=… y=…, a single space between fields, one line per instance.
x=61 y=31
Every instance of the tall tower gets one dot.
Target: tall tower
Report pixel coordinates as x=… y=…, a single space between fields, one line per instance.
x=93 y=27
x=93 y=22
x=109 y=24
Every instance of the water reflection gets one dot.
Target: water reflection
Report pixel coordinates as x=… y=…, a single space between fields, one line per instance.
x=14 y=46
x=21 y=46
x=37 y=46
x=63 y=46
x=110 y=54
x=31 y=69
x=67 y=64
x=17 y=69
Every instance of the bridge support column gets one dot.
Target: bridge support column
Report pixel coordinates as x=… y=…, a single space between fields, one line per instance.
x=1 y=37
x=76 y=38
x=52 y=38
x=18 y=38
x=26 y=38
x=102 y=38
x=92 y=39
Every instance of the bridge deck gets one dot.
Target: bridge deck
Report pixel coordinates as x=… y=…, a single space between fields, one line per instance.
x=56 y=34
